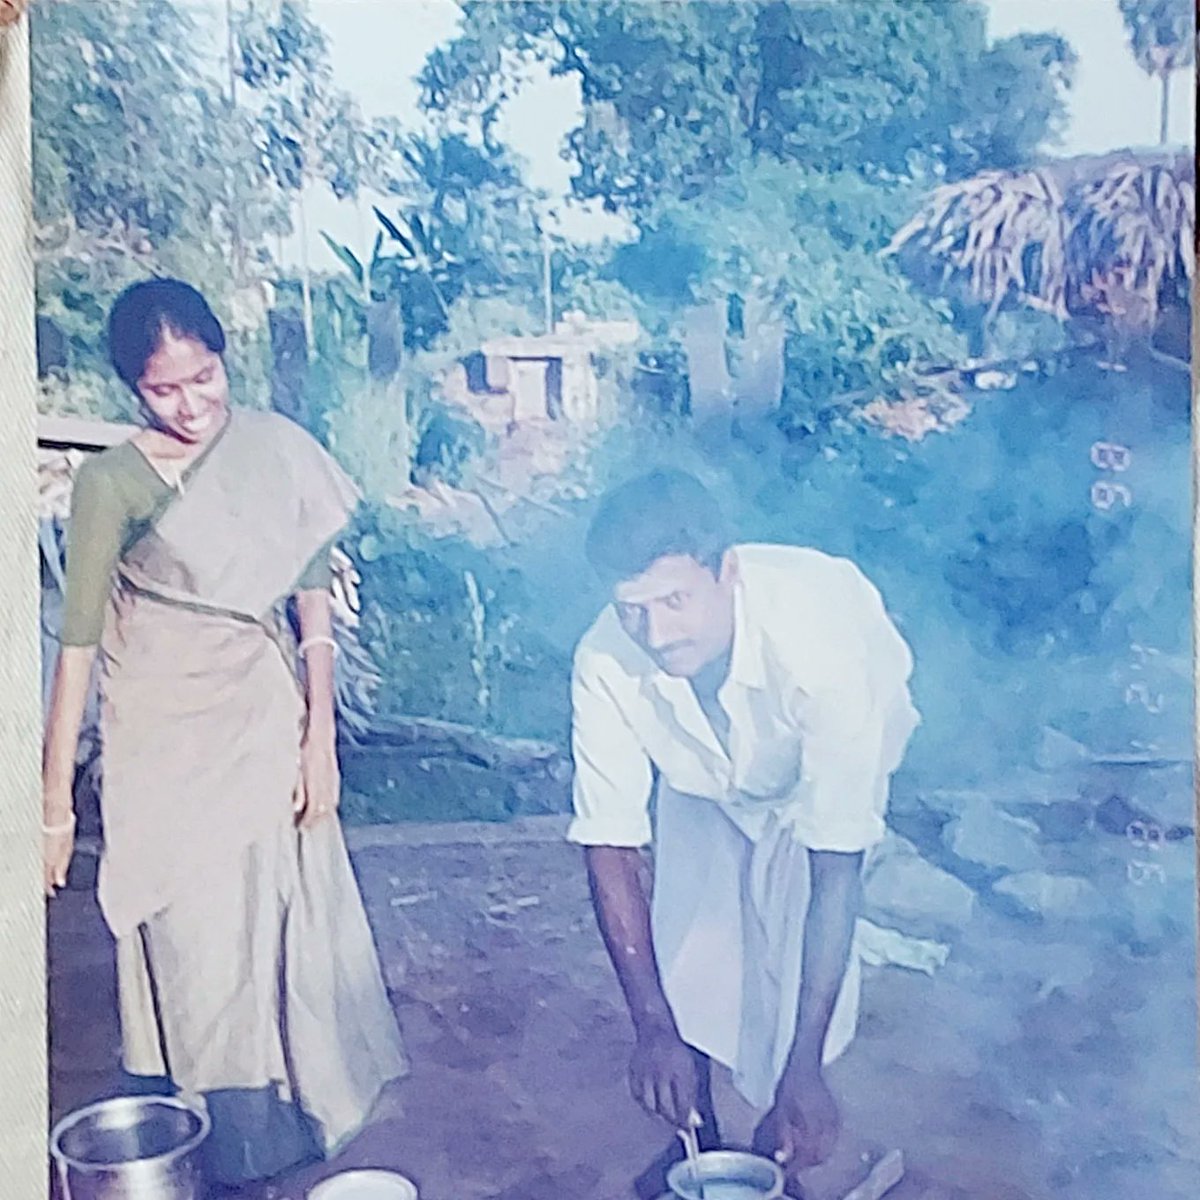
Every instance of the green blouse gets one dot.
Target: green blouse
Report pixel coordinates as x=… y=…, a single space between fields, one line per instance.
x=116 y=498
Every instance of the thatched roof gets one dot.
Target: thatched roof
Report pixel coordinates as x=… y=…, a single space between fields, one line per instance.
x=1109 y=236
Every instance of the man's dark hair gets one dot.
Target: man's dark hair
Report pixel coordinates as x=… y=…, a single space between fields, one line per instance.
x=141 y=315
x=664 y=513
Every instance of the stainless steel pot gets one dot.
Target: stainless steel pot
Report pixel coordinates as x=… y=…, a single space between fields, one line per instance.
x=727 y=1175
x=131 y=1148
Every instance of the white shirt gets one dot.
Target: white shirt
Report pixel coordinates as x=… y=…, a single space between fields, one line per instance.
x=819 y=711
x=818 y=701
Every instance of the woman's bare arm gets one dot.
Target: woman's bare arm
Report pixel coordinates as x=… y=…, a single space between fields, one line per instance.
x=68 y=698
x=316 y=622
x=318 y=790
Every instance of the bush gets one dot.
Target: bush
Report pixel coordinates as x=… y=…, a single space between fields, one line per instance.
x=464 y=635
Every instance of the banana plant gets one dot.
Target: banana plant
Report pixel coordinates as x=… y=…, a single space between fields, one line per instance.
x=421 y=252
x=363 y=273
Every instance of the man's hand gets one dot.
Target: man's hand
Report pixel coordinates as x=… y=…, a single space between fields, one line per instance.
x=663 y=1075
x=802 y=1128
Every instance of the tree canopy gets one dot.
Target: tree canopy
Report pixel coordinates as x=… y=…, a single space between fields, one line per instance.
x=766 y=152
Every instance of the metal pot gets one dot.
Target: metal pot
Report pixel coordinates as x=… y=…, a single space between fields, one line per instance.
x=131 y=1148
x=727 y=1175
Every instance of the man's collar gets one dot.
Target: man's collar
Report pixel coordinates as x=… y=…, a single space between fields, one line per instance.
x=747 y=667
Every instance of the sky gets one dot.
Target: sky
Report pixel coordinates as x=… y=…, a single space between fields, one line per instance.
x=378 y=46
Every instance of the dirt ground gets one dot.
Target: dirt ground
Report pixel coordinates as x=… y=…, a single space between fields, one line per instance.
x=1043 y=1060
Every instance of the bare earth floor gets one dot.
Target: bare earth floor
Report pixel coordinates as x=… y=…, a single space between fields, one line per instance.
x=1041 y=1061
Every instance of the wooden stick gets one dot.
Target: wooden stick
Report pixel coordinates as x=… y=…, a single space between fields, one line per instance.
x=883 y=1176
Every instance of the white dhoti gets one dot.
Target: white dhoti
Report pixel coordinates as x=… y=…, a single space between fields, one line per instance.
x=728 y=916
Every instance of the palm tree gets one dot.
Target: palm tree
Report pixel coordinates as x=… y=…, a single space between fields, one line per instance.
x=1130 y=244
x=1108 y=237
x=1001 y=234
x=1162 y=38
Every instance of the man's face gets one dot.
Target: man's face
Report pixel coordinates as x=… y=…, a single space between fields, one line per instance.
x=679 y=612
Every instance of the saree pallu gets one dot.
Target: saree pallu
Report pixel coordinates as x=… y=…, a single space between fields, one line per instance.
x=246 y=966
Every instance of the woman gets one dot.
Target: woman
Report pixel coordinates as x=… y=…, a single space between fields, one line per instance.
x=246 y=970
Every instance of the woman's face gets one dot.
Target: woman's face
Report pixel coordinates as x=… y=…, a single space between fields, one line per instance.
x=185 y=388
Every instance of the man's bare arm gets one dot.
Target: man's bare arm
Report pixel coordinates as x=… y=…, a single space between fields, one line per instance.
x=662 y=1075
x=616 y=875
x=835 y=896
x=802 y=1127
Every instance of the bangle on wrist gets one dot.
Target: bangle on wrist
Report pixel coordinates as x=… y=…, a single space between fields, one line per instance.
x=309 y=643
x=60 y=826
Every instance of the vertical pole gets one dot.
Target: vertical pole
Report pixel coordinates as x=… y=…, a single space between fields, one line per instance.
x=547 y=284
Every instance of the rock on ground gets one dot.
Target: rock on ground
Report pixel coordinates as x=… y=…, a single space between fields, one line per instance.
x=986 y=835
x=1063 y=896
x=903 y=889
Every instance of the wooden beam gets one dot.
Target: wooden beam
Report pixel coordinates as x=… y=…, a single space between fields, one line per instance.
x=81 y=433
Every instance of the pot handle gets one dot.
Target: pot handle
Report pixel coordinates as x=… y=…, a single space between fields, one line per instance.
x=64 y=1188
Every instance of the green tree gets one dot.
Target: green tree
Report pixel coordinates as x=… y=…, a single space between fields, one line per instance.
x=309 y=131
x=134 y=152
x=467 y=225
x=455 y=229
x=1162 y=37
x=451 y=220
x=764 y=152
x=675 y=95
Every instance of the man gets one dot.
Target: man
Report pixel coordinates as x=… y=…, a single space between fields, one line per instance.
x=742 y=708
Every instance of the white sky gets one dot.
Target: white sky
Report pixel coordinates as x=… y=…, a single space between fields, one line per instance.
x=378 y=46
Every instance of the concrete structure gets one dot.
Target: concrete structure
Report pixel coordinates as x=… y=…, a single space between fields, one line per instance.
x=552 y=376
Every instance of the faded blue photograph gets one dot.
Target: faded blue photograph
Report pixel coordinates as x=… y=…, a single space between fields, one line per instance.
x=617 y=598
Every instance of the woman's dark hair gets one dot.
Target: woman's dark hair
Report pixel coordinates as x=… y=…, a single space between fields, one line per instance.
x=141 y=315
x=664 y=513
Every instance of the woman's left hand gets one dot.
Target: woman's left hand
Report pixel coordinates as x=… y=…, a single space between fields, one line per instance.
x=319 y=787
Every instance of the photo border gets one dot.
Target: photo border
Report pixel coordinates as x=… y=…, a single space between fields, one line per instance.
x=23 y=1049
x=23 y=1052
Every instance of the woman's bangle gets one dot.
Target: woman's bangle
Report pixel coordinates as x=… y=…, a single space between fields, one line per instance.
x=62 y=827
x=309 y=643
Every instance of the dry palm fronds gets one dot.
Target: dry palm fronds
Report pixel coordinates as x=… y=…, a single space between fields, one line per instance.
x=1131 y=237
x=56 y=471
x=356 y=678
x=345 y=588
x=1109 y=236
x=356 y=682
x=1001 y=233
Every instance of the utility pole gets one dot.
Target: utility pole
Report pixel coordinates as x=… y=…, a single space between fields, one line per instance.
x=235 y=231
x=547 y=280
